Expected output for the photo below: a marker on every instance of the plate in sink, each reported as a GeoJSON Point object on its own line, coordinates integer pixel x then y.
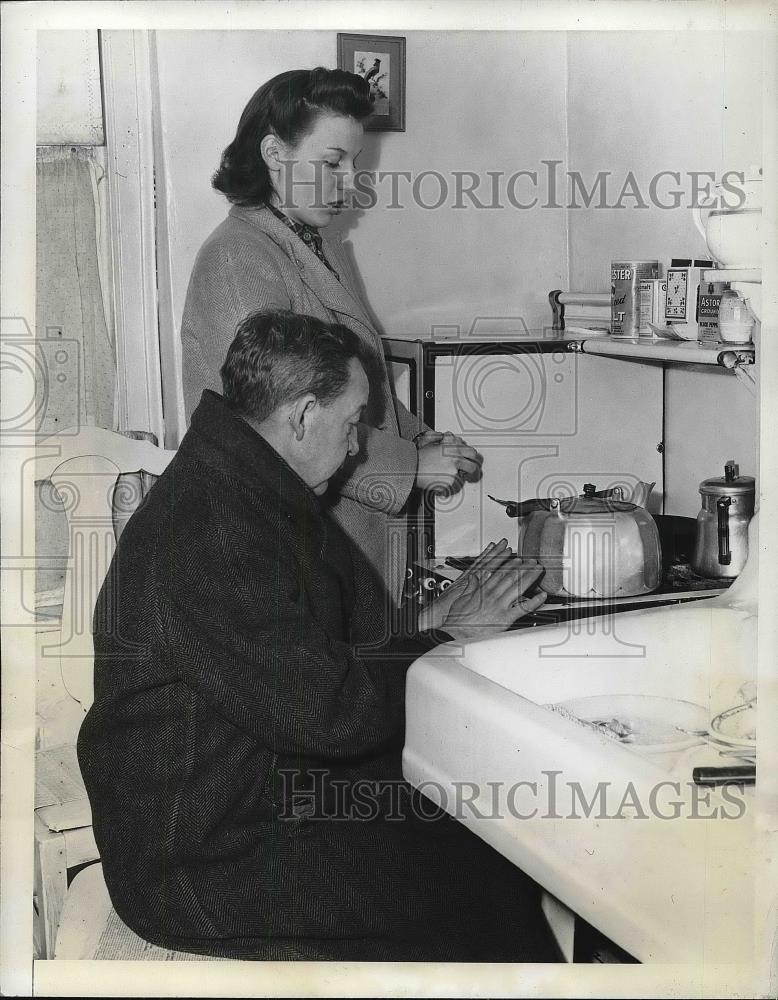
{"type": "Point", "coordinates": [645, 722]}
{"type": "Point", "coordinates": [736, 727]}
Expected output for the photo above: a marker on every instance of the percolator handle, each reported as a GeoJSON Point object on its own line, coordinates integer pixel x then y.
{"type": "Point", "coordinates": [722, 509]}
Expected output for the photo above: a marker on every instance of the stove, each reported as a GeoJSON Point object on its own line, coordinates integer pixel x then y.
{"type": "Point", "coordinates": [680, 584]}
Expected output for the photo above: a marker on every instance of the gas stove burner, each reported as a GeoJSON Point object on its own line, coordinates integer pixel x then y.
{"type": "Point", "coordinates": [682, 577]}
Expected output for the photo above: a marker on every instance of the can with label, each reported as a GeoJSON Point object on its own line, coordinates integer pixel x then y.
{"type": "Point", "coordinates": [626, 276]}
{"type": "Point", "coordinates": [709, 294]}
{"type": "Point", "coordinates": [652, 305]}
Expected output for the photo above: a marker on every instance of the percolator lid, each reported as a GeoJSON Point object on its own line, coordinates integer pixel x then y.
{"type": "Point", "coordinates": [719, 486]}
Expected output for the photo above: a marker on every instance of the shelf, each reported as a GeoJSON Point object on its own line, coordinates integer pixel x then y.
{"type": "Point", "coordinates": [683, 352]}
{"type": "Point", "coordinates": [688, 352]}
{"type": "Point", "coordinates": [749, 274]}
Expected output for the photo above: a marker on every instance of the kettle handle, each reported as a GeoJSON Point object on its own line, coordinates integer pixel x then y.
{"type": "Point", "coordinates": [722, 509]}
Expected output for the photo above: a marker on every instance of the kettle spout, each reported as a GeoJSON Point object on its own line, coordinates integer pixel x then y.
{"type": "Point", "coordinates": [640, 493]}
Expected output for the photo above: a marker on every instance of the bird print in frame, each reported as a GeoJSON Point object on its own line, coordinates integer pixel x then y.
{"type": "Point", "coordinates": [375, 68]}
{"type": "Point", "coordinates": [379, 59]}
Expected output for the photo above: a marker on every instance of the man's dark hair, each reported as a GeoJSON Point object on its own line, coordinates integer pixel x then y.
{"type": "Point", "coordinates": [287, 106]}
{"type": "Point", "coordinates": [277, 357]}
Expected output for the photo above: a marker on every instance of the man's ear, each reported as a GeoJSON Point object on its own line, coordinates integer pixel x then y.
{"type": "Point", "coordinates": [300, 415]}
{"type": "Point", "coordinates": [270, 148]}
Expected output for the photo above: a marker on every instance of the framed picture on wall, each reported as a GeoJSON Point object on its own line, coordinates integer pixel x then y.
{"type": "Point", "coordinates": [380, 59]}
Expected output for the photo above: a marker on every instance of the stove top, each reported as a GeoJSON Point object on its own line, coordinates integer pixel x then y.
{"type": "Point", "coordinates": [680, 582]}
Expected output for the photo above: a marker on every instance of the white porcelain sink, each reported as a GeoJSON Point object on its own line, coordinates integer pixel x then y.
{"type": "Point", "coordinates": [665, 889]}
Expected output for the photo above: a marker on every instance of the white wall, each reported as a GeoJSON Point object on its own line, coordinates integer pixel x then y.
{"type": "Point", "coordinates": [475, 101]}
{"type": "Point", "coordinates": [651, 101]}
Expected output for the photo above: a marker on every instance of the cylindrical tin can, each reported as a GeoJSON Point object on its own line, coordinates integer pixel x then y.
{"type": "Point", "coordinates": [652, 305]}
{"type": "Point", "coordinates": [626, 276]}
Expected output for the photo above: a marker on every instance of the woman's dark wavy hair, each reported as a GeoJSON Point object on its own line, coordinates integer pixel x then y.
{"type": "Point", "coordinates": [288, 106]}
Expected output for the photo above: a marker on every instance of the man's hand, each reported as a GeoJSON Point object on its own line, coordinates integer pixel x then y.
{"type": "Point", "coordinates": [445, 462]}
{"type": "Point", "coordinates": [494, 555]}
{"type": "Point", "coordinates": [490, 598]}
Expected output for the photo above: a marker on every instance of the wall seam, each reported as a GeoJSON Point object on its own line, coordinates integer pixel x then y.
{"type": "Point", "coordinates": [568, 260]}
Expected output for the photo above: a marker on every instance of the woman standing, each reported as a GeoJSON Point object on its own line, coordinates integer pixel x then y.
{"type": "Point", "coordinates": [288, 172]}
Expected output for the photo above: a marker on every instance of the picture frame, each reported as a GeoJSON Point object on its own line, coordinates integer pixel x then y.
{"type": "Point", "coordinates": [381, 60]}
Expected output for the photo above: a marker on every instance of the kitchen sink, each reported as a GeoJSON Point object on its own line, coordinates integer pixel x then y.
{"type": "Point", "coordinates": [618, 833]}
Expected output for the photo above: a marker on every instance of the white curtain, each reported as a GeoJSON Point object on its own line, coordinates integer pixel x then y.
{"type": "Point", "coordinates": [72, 290]}
{"type": "Point", "coordinates": [74, 325]}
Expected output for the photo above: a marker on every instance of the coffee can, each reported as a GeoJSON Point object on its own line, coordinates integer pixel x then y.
{"type": "Point", "coordinates": [626, 276]}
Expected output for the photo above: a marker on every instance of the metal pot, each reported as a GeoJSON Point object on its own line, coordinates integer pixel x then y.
{"type": "Point", "coordinates": [721, 545]}
{"type": "Point", "coordinates": [590, 546]}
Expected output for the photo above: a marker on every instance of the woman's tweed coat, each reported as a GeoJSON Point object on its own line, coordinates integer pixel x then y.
{"type": "Point", "coordinates": [254, 261]}
{"type": "Point", "coordinates": [236, 639]}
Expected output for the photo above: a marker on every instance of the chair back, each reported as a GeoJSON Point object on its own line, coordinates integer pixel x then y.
{"type": "Point", "coordinates": [88, 469]}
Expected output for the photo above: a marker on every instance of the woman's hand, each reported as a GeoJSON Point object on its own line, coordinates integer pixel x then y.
{"type": "Point", "coordinates": [445, 462]}
{"type": "Point", "coordinates": [429, 437]}
{"type": "Point", "coordinates": [489, 596]}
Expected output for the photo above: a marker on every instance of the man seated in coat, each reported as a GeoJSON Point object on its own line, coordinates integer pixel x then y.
{"type": "Point", "coordinates": [243, 752]}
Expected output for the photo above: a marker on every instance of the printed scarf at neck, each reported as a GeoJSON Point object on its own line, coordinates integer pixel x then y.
{"type": "Point", "coordinates": [310, 236]}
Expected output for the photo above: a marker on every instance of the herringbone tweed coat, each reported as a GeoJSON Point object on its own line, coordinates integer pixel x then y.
{"type": "Point", "coordinates": [234, 690]}
{"type": "Point", "coordinates": [253, 261]}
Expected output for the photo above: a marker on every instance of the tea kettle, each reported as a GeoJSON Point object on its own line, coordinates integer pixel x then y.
{"type": "Point", "coordinates": [721, 544]}
{"type": "Point", "coordinates": [591, 546]}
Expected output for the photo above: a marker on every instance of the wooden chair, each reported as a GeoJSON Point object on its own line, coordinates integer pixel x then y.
{"type": "Point", "coordinates": [90, 928]}
{"type": "Point", "coordinates": [101, 478]}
